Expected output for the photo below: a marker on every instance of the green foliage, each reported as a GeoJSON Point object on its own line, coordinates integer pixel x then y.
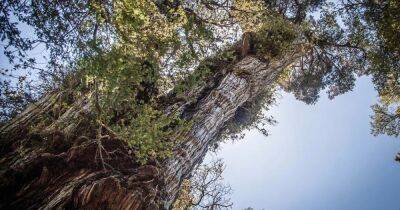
{"type": "Point", "coordinates": [14, 99]}
{"type": "Point", "coordinates": [124, 93]}
{"type": "Point", "coordinates": [386, 120]}
{"type": "Point", "coordinates": [386, 18]}
{"type": "Point", "coordinates": [385, 65]}
{"type": "Point", "coordinates": [119, 77]}
{"type": "Point", "coordinates": [204, 73]}
{"type": "Point", "coordinates": [151, 134]}
{"type": "Point", "coordinates": [120, 44]}
{"type": "Point", "coordinates": [275, 37]}
{"type": "Point", "coordinates": [193, 80]}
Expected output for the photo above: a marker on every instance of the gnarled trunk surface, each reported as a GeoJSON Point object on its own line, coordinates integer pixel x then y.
{"type": "Point", "coordinates": [61, 167]}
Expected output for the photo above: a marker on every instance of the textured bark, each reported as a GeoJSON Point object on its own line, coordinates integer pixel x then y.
{"type": "Point", "coordinates": [65, 166]}
{"type": "Point", "coordinates": [242, 83]}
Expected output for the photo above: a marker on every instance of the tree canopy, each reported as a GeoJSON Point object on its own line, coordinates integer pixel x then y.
{"type": "Point", "coordinates": [132, 53]}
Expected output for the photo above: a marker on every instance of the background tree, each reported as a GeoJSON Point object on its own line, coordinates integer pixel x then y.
{"type": "Point", "coordinates": [205, 189]}
{"type": "Point", "coordinates": [385, 17]}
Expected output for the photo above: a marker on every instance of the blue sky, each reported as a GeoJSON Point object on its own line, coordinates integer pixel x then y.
{"type": "Point", "coordinates": [318, 156]}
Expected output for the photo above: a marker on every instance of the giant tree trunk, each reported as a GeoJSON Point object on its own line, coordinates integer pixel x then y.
{"type": "Point", "coordinates": [61, 166]}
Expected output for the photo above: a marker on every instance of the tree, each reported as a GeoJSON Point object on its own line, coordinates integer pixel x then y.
{"type": "Point", "coordinates": [205, 189]}
{"type": "Point", "coordinates": [386, 71]}
{"type": "Point", "coordinates": [139, 90]}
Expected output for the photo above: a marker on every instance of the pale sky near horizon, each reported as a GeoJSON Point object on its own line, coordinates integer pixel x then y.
{"type": "Point", "coordinates": [318, 157]}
